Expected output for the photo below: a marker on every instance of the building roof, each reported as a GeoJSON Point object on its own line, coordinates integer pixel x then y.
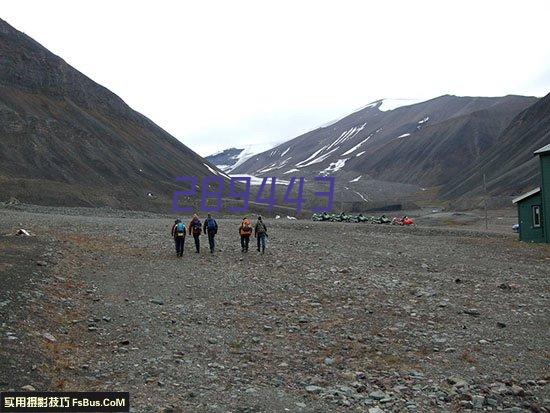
{"type": "Point", "coordinates": [526, 195]}
{"type": "Point", "coordinates": [542, 150]}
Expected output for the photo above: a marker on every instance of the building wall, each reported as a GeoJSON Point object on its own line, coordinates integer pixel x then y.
{"type": "Point", "coordinates": [525, 218]}
{"type": "Point", "coordinates": [545, 190]}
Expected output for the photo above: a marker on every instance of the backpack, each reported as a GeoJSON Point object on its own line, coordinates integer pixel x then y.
{"type": "Point", "coordinates": [261, 229]}
{"type": "Point", "coordinates": [211, 225]}
{"type": "Point", "coordinates": [180, 230]}
{"type": "Point", "coordinates": [196, 225]}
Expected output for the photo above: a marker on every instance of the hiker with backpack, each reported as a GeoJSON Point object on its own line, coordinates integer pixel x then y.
{"type": "Point", "coordinates": [195, 229]}
{"type": "Point", "coordinates": [260, 232]}
{"type": "Point", "coordinates": [245, 231]}
{"type": "Point", "coordinates": [178, 233]}
{"type": "Point", "coordinates": [211, 229]}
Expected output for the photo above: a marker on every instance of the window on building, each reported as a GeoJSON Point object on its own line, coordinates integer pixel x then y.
{"type": "Point", "coordinates": [536, 216]}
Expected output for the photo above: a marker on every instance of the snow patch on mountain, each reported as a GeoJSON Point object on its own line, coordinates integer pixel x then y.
{"type": "Point", "coordinates": [216, 172]}
{"type": "Point", "coordinates": [254, 180]}
{"type": "Point", "coordinates": [211, 169]}
{"type": "Point", "coordinates": [356, 179]}
{"type": "Point", "coordinates": [391, 104]}
{"type": "Point", "coordinates": [248, 152]}
{"type": "Point", "coordinates": [291, 170]}
{"type": "Point", "coordinates": [269, 168]}
{"type": "Point", "coordinates": [300, 164]}
{"type": "Point", "coordinates": [284, 162]}
{"type": "Point", "coordinates": [350, 133]}
{"type": "Point", "coordinates": [362, 196]}
{"type": "Point", "coordinates": [334, 166]}
{"type": "Point", "coordinates": [422, 122]}
{"type": "Point", "coordinates": [319, 159]}
{"type": "Point", "coordinates": [332, 122]}
{"type": "Point", "coordinates": [357, 146]}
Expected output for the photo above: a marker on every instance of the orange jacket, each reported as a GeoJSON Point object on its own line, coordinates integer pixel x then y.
{"type": "Point", "coordinates": [242, 232]}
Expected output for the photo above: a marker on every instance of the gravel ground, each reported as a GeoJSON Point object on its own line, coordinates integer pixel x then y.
{"type": "Point", "coordinates": [334, 317]}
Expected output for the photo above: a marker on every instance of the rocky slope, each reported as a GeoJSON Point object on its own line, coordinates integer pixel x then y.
{"type": "Point", "coordinates": [509, 165]}
{"type": "Point", "coordinates": [427, 144]}
{"type": "Point", "coordinates": [65, 140]}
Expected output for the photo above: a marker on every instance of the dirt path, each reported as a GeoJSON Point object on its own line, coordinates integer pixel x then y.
{"type": "Point", "coordinates": [335, 317]}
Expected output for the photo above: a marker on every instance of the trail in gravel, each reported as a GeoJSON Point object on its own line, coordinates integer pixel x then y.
{"type": "Point", "coordinates": [334, 317]}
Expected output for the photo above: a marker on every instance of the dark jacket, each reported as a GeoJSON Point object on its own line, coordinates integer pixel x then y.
{"type": "Point", "coordinates": [205, 226]}
{"type": "Point", "coordinates": [259, 227]}
{"type": "Point", "coordinates": [191, 225]}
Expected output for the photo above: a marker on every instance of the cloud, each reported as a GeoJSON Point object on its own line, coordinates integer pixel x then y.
{"type": "Point", "coordinates": [216, 74]}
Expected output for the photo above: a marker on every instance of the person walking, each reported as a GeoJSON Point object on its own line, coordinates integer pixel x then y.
{"type": "Point", "coordinates": [211, 229]}
{"type": "Point", "coordinates": [245, 231]}
{"type": "Point", "coordinates": [178, 233]}
{"type": "Point", "coordinates": [195, 229]}
{"type": "Point", "coordinates": [260, 232]}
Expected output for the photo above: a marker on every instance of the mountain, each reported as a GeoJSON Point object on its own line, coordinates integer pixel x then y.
{"type": "Point", "coordinates": [434, 155]}
{"type": "Point", "coordinates": [66, 140]}
{"type": "Point", "coordinates": [230, 159]}
{"type": "Point", "coordinates": [427, 145]}
{"type": "Point", "coordinates": [509, 165]}
{"type": "Point", "coordinates": [226, 159]}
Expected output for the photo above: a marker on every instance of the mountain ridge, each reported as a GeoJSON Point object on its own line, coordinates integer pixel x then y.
{"type": "Point", "coordinates": [66, 140]}
{"type": "Point", "coordinates": [426, 144]}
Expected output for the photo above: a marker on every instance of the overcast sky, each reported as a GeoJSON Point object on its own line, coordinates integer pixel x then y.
{"type": "Point", "coordinates": [217, 74]}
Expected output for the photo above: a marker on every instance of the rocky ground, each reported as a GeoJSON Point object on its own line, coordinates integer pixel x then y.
{"type": "Point", "coordinates": [335, 317]}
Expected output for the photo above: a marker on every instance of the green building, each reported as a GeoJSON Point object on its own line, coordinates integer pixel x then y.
{"type": "Point", "coordinates": [534, 206]}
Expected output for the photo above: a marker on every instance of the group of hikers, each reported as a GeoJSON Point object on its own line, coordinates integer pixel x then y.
{"type": "Point", "coordinates": [210, 228]}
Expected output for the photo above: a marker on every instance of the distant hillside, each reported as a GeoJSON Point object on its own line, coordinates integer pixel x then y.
{"type": "Point", "coordinates": [65, 140]}
{"type": "Point", "coordinates": [509, 165]}
{"type": "Point", "coordinates": [436, 154]}
{"type": "Point", "coordinates": [428, 145]}
{"type": "Point", "coordinates": [226, 159]}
